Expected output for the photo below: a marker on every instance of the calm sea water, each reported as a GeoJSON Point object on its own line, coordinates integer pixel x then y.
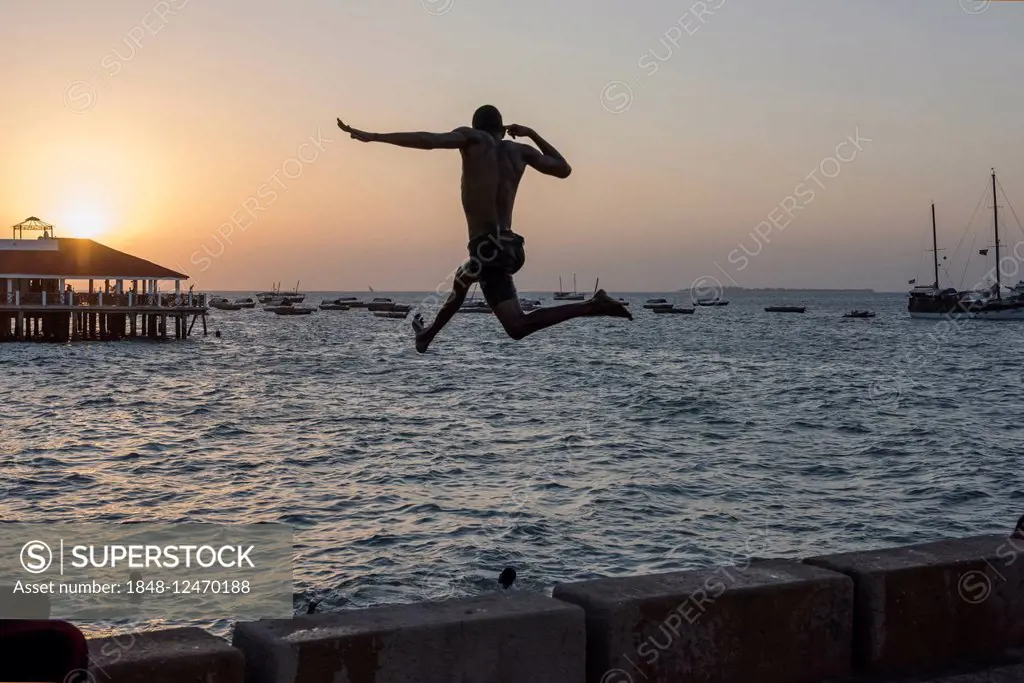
{"type": "Point", "coordinates": [598, 448]}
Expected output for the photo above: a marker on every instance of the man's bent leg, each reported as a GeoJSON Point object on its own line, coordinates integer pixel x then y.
{"type": "Point", "coordinates": [460, 287]}
{"type": "Point", "coordinates": [519, 324]}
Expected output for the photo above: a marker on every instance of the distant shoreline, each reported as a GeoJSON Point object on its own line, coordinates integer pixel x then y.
{"type": "Point", "coordinates": [545, 292]}
{"type": "Point", "coordinates": [789, 289]}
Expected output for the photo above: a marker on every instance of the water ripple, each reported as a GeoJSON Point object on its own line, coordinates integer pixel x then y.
{"type": "Point", "coordinates": [598, 448]}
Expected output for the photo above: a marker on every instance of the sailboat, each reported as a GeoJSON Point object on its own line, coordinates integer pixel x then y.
{"type": "Point", "coordinates": [561, 295]}
{"type": "Point", "coordinates": [474, 305]}
{"type": "Point", "coordinates": [931, 302]}
{"type": "Point", "coordinates": [995, 306]}
{"type": "Point", "coordinates": [276, 295]}
{"type": "Point", "coordinates": [928, 301]}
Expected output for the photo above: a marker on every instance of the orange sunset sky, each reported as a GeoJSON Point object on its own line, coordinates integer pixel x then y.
{"type": "Point", "coordinates": [148, 125]}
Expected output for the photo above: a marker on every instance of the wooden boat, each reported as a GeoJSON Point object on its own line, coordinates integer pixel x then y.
{"type": "Point", "coordinates": [391, 314]}
{"type": "Point", "coordinates": [334, 305]}
{"type": "Point", "coordinates": [567, 296]}
{"type": "Point", "coordinates": [222, 304]}
{"type": "Point", "coordinates": [711, 302]}
{"type": "Point", "coordinates": [785, 309]}
{"type": "Point", "coordinates": [276, 293]}
{"type": "Point", "coordinates": [280, 301]}
{"type": "Point", "coordinates": [673, 309]}
{"type": "Point", "coordinates": [247, 302]}
{"type": "Point", "coordinates": [989, 304]}
{"type": "Point", "coordinates": [294, 310]}
{"type": "Point", "coordinates": [286, 307]}
{"type": "Point", "coordinates": [859, 314]}
{"type": "Point", "coordinates": [381, 303]}
{"type": "Point", "coordinates": [656, 303]}
{"type": "Point", "coordinates": [477, 306]}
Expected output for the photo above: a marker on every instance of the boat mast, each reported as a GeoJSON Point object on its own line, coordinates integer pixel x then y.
{"type": "Point", "coordinates": [935, 248]}
{"type": "Point", "coordinates": [574, 283]}
{"type": "Point", "coordinates": [995, 216]}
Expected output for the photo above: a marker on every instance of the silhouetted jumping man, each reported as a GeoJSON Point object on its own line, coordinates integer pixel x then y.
{"type": "Point", "coordinates": [492, 168]}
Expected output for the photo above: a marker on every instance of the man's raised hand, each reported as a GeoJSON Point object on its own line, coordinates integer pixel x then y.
{"type": "Point", "coordinates": [517, 131]}
{"type": "Point", "coordinates": [360, 135]}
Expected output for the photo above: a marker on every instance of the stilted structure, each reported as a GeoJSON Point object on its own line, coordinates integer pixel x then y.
{"type": "Point", "coordinates": [123, 300]}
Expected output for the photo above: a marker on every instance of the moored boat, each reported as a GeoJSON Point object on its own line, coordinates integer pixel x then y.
{"type": "Point", "coordinates": [280, 301]}
{"type": "Point", "coordinates": [672, 309]}
{"type": "Point", "coordinates": [222, 304]}
{"type": "Point", "coordinates": [656, 303]}
{"type": "Point", "coordinates": [381, 303]}
{"type": "Point", "coordinates": [294, 310]}
{"type": "Point", "coordinates": [859, 314]}
{"type": "Point", "coordinates": [334, 305]}
{"type": "Point", "coordinates": [275, 293]}
{"type": "Point", "coordinates": [247, 302]}
{"type": "Point", "coordinates": [476, 306]}
{"type": "Point", "coordinates": [711, 302]}
{"type": "Point", "coordinates": [785, 309]}
{"type": "Point", "coordinates": [567, 296]}
{"type": "Point", "coordinates": [391, 314]}
{"type": "Point", "coordinates": [989, 304]}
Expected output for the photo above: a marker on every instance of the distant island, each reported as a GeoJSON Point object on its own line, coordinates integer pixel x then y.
{"type": "Point", "coordinates": [788, 289]}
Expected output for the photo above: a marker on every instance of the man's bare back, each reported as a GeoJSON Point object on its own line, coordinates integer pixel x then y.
{"type": "Point", "coordinates": [491, 172]}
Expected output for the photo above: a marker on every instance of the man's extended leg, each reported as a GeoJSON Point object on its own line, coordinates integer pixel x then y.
{"type": "Point", "coordinates": [519, 324]}
{"type": "Point", "coordinates": [460, 287]}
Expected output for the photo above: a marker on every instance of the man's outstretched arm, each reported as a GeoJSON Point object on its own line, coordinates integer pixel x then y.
{"type": "Point", "coordinates": [456, 139]}
{"type": "Point", "coordinates": [547, 160]}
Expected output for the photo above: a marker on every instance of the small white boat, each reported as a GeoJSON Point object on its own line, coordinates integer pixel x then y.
{"type": "Point", "coordinates": [222, 304]}
{"type": "Point", "coordinates": [656, 303]}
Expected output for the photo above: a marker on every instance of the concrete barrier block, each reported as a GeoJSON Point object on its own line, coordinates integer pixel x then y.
{"type": "Point", "coordinates": [497, 638]}
{"type": "Point", "coordinates": [921, 606]}
{"type": "Point", "coordinates": [770, 620]}
{"type": "Point", "coordinates": [181, 655]}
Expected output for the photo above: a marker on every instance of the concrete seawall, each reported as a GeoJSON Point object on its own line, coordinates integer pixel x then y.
{"type": "Point", "coordinates": [950, 612]}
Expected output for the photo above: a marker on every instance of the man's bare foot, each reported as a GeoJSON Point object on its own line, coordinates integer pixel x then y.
{"type": "Point", "coordinates": [605, 305]}
{"type": "Point", "coordinates": [422, 341]}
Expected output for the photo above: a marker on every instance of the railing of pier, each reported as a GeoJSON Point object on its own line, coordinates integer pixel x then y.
{"type": "Point", "coordinates": [105, 300]}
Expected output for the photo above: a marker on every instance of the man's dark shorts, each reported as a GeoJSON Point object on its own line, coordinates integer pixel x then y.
{"type": "Point", "coordinates": [493, 260]}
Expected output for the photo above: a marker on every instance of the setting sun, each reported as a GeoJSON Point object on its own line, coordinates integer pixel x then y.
{"type": "Point", "coordinates": [83, 220]}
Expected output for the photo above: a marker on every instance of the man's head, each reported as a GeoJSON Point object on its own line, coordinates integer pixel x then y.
{"type": "Point", "coordinates": [488, 119]}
